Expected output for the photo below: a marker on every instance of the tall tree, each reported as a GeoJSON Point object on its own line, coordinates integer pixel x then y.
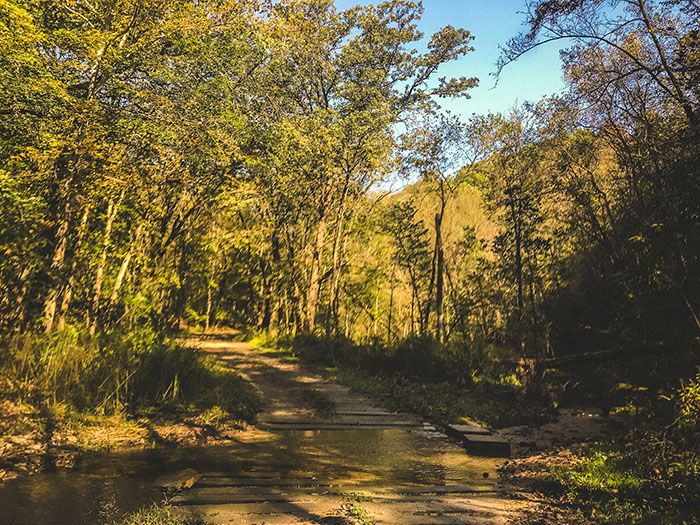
{"type": "Point", "coordinates": [335, 89]}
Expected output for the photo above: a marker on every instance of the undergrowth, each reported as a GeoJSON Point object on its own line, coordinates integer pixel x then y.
{"type": "Point", "coordinates": [72, 393]}
{"type": "Point", "coordinates": [444, 383]}
{"type": "Point", "coordinates": [118, 372]}
{"type": "Point", "coordinates": [650, 476]}
{"type": "Point", "coordinates": [161, 515]}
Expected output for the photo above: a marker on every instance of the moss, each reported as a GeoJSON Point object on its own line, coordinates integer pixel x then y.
{"type": "Point", "coordinates": [358, 496]}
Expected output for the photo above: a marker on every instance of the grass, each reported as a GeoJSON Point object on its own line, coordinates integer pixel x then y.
{"type": "Point", "coordinates": [161, 515]}
{"type": "Point", "coordinates": [650, 476]}
{"type": "Point", "coordinates": [120, 373]}
{"type": "Point", "coordinates": [606, 487]}
{"type": "Point", "coordinates": [445, 394]}
{"type": "Point", "coordinates": [358, 497]}
{"type": "Point", "coordinates": [91, 394]}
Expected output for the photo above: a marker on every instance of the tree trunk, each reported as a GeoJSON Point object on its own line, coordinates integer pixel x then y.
{"type": "Point", "coordinates": [315, 279]}
{"type": "Point", "coordinates": [267, 315]}
{"type": "Point", "coordinates": [99, 276]}
{"type": "Point", "coordinates": [209, 300]}
{"type": "Point", "coordinates": [300, 316]}
{"type": "Point", "coordinates": [57, 263]}
{"type": "Point", "coordinates": [337, 257]}
{"type": "Point", "coordinates": [518, 269]}
{"type": "Point", "coordinates": [440, 278]}
{"type": "Point", "coordinates": [19, 304]}
{"type": "Point", "coordinates": [413, 312]}
{"type": "Point", "coordinates": [425, 325]}
{"type": "Point", "coordinates": [124, 267]}
{"type": "Point", "coordinates": [391, 307]}
{"type": "Point", "coordinates": [376, 312]}
{"type": "Point", "coordinates": [68, 292]}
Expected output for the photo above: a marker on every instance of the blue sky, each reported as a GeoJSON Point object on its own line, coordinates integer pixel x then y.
{"type": "Point", "coordinates": [492, 22]}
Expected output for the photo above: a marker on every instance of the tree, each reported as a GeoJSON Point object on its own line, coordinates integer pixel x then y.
{"type": "Point", "coordinates": [433, 152]}
{"type": "Point", "coordinates": [411, 253]}
{"type": "Point", "coordinates": [653, 41]}
{"type": "Point", "coordinates": [333, 92]}
{"type": "Point", "coordinates": [513, 191]}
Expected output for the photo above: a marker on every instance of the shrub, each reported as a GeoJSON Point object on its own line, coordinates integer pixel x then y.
{"type": "Point", "coordinates": [121, 371]}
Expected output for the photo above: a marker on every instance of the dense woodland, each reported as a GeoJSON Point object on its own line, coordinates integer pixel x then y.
{"type": "Point", "coordinates": [223, 163]}
{"type": "Point", "coordinates": [189, 164]}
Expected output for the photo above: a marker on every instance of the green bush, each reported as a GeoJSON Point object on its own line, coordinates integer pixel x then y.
{"type": "Point", "coordinates": [423, 358]}
{"type": "Point", "coordinates": [118, 372]}
{"type": "Point", "coordinates": [653, 475]}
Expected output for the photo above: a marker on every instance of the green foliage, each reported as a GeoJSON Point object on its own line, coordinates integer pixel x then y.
{"type": "Point", "coordinates": [688, 402]}
{"type": "Point", "coordinates": [612, 487]}
{"type": "Point", "coordinates": [161, 515]}
{"type": "Point", "coordinates": [354, 514]}
{"type": "Point", "coordinates": [358, 497]}
{"type": "Point", "coordinates": [118, 372]}
{"type": "Point", "coordinates": [423, 376]}
{"type": "Point", "coordinates": [602, 472]}
{"type": "Point", "coordinates": [654, 474]}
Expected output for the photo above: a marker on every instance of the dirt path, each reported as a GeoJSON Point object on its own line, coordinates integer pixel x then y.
{"type": "Point", "coordinates": [323, 454]}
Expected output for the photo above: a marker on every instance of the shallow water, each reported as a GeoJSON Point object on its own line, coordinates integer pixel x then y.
{"type": "Point", "coordinates": [103, 489]}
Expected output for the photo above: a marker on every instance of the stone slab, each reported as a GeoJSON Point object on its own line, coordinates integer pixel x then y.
{"type": "Point", "coordinates": [468, 429]}
{"type": "Point", "coordinates": [271, 426]}
{"type": "Point", "coordinates": [489, 446]}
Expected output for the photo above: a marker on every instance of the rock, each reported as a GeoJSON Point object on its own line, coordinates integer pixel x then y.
{"type": "Point", "coordinates": [182, 479]}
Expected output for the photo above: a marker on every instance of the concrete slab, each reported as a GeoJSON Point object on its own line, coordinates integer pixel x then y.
{"type": "Point", "coordinates": [489, 446]}
{"type": "Point", "coordinates": [470, 429]}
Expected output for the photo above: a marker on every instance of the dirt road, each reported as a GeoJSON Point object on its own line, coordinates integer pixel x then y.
{"type": "Point", "coordinates": [323, 454]}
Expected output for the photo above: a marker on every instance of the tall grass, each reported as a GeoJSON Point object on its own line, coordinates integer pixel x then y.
{"type": "Point", "coordinates": [118, 372]}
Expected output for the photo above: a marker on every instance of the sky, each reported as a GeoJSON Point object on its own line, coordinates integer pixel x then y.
{"type": "Point", "coordinates": [492, 23]}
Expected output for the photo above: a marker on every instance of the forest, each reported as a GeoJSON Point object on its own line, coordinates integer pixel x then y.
{"type": "Point", "coordinates": [178, 166]}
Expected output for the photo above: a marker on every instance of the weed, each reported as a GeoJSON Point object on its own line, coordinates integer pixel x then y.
{"type": "Point", "coordinates": [358, 497]}
{"type": "Point", "coordinates": [161, 515]}
{"type": "Point", "coordinates": [121, 372]}
{"type": "Point", "coordinates": [352, 514]}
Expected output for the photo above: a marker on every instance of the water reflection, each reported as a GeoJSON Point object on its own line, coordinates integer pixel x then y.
{"type": "Point", "coordinates": [100, 490]}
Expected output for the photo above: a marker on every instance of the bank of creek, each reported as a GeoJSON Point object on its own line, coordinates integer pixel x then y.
{"type": "Point", "coordinates": [301, 463]}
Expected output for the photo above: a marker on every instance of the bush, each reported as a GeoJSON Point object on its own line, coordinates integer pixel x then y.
{"type": "Point", "coordinates": [653, 474]}
{"type": "Point", "coordinates": [422, 358]}
{"type": "Point", "coordinates": [120, 372]}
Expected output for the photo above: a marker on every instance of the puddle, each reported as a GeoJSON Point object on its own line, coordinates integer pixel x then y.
{"type": "Point", "coordinates": [103, 489]}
